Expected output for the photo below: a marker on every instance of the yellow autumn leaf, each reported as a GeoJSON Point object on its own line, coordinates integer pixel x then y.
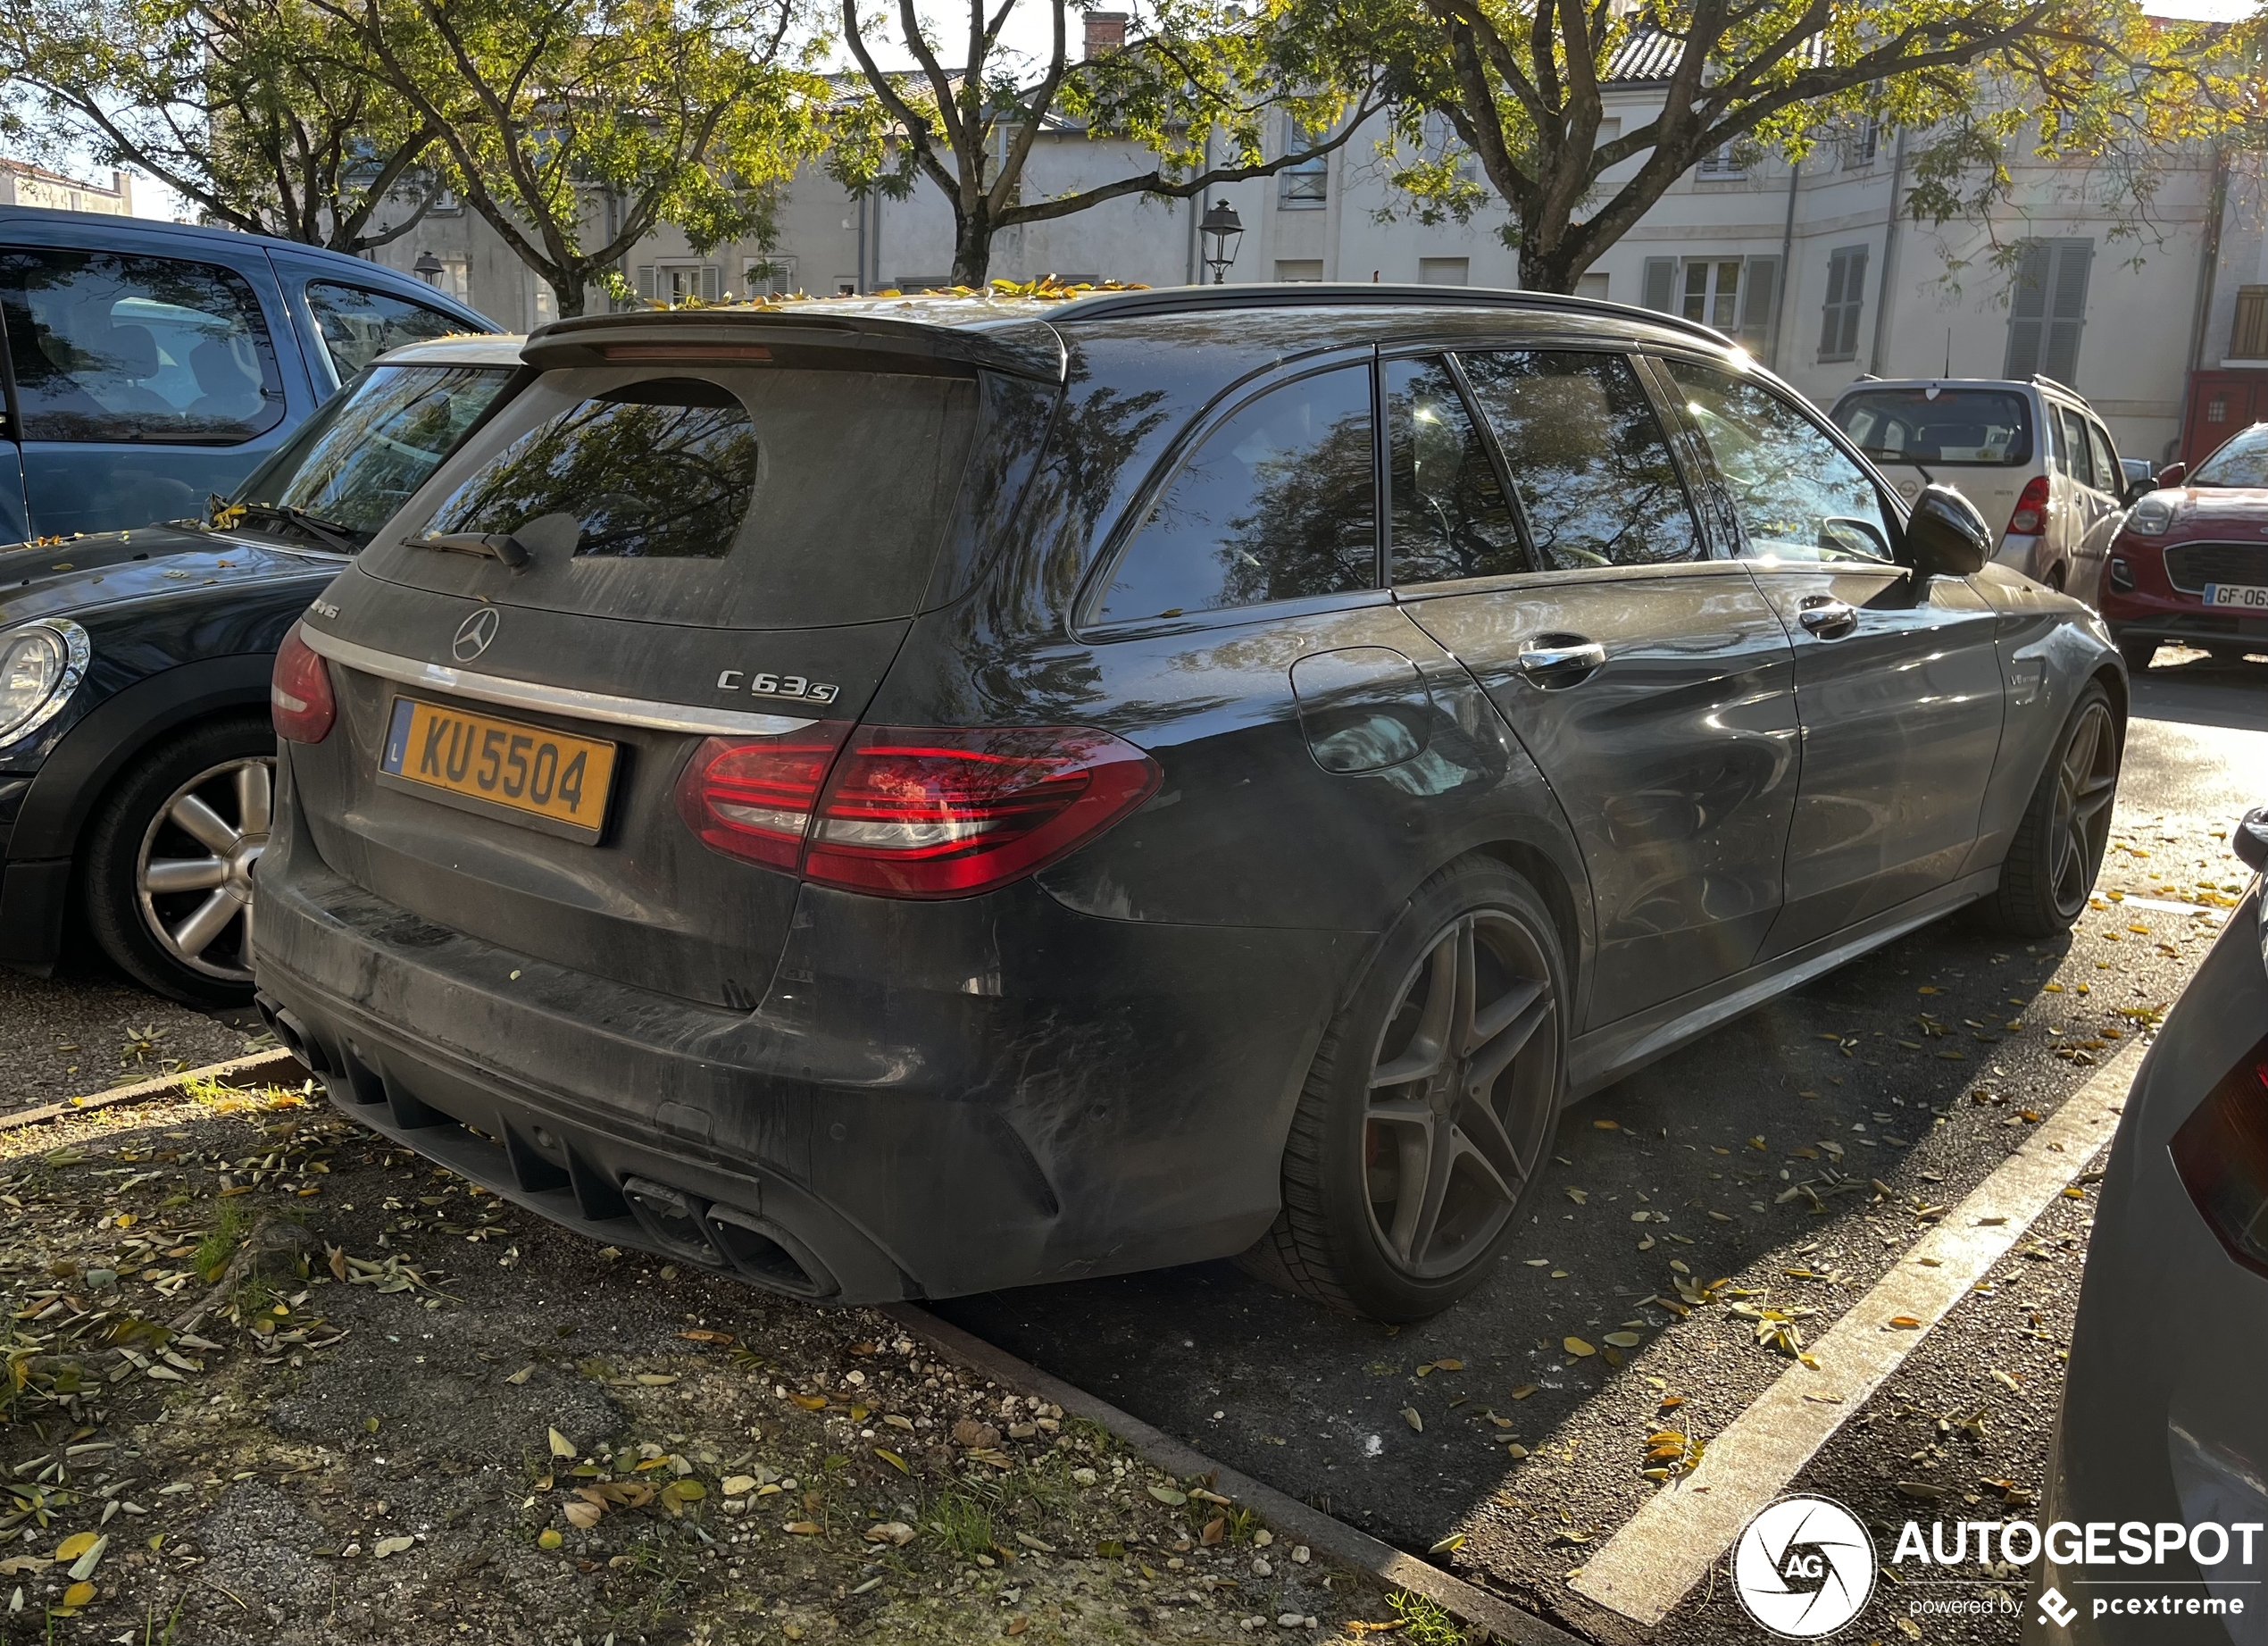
{"type": "Point", "coordinates": [79, 1595]}
{"type": "Point", "coordinates": [76, 1544]}
{"type": "Point", "coordinates": [1576, 1346]}
{"type": "Point", "coordinates": [561, 1446]}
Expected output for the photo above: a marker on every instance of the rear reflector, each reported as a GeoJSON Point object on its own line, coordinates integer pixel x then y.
{"type": "Point", "coordinates": [936, 813]}
{"type": "Point", "coordinates": [2220, 1153]}
{"type": "Point", "coordinates": [299, 697]}
{"type": "Point", "coordinates": [2031, 516]}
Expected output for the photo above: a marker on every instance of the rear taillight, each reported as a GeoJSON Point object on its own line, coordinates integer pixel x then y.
{"type": "Point", "coordinates": [2220, 1153]}
{"type": "Point", "coordinates": [299, 698]}
{"type": "Point", "coordinates": [938, 812]}
{"type": "Point", "coordinates": [753, 797]}
{"type": "Point", "coordinates": [2030, 518]}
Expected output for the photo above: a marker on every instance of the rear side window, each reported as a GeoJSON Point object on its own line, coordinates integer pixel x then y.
{"type": "Point", "coordinates": [1448, 513]}
{"type": "Point", "coordinates": [660, 471]}
{"type": "Point", "coordinates": [1276, 503]}
{"type": "Point", "coordinates": [728, 496]}
{"type": "Point", "coordinates": [1586, 457]}
{"type": "Point", "coordinates": [1964, 428]}
{"type": "Point", "coordinates": [2107, 473]}
{"type": "Point", "coordinates": [147, 350]}
{"type": "Point", "coordinates": [1796, 493]}
{"type": "Point", "coordinates": [358, 325]}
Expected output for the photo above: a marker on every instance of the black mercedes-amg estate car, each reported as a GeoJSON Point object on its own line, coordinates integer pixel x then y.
{"type": "Point", "coordinates": [898, 797]}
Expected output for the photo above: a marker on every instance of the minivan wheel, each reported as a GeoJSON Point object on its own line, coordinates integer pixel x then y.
{"type": "Point", "coordinates": [1430, 1105]}
{"type": "Point", "coordinates": [2051, 864]}
{"type": "Point", "coordinates": [170, 861]}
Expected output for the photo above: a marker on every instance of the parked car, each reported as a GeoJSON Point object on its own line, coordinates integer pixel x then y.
{"type": "Point", "coordinates": [2140, 474]}
{"type": "Point", "coordinates": [135, 742]}
{"type": "Point", "coordinates": [916, 796]}
{"type": "Point", "coordinates": [2189, 565]}
{"type": "Point", "coordinates": [2181, 1233]}
{"type": "Point", "coordinates": [2031, 453]}
{"type": "Point", "coordinates": [155, 363]}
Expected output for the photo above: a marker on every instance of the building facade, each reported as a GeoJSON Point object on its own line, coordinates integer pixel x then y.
{"type": "Point", "coordinates": [22, 183]}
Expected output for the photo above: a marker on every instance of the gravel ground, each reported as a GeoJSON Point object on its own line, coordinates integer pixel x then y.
{"type": "Point", "coordinates": [74, 1036]}
{"type": "Point", "coordinates": [404, 1411]}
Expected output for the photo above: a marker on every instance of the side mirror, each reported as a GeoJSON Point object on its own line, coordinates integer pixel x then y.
{"type": "Point", "coordinates": [2137, 491]}
{"type": "Point", "coordinates": [2249, 838]}
{"type": "Point", "coordinates": [2172, 474]}
{"type": "Point", "coordinates": [1945, 536]}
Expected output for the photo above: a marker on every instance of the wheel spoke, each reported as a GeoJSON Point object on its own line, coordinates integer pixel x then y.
{"type": "Point", "coordinates": [1429, 1046]}
{"type": "Point", "coordinates": [204, 825]}
{"type": "Point", "coordinates": [194, 935]}
{"type": "Point", "coordinates": [1494, 1057]}
{"type": "Point", "coordinates": [256, 789]}
{"type": "Point", "coordinates": [1401, 1112]}
{"type": "Point", "coordinates": [1483, 1128]}
{"type": "Point", "coordinates": [1460, 996]}
{"type": "Point", "coordinates": [168, 874]}
{"type": "Point", "coordinates": [1425, 1220]}
{"type": "Point", "coordinates": [1415, 1152]}
{"type": "Point", "coordinates": [1464, 1152]}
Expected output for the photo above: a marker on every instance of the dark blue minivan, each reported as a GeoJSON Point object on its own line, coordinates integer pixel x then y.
{"type": "Point", "coordinates": [148, 366]}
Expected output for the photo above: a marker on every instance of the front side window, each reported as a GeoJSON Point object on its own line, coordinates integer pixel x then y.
{"type": "Point", "coordinates": [1587, 456]}
{"type": "Point", "coordinates": [656, 471]}
{"type": "Point", "coordinates": [1277, 504]}
{"type": "Point", "coordinates": [2070, 453]}
{"type": "Point", "coordinates": [1449, 517]}
{"type": "Point", "coordinates": [2107, 473]}
{"type": "Point", "coordinates": [144, 349]}
{"type": "Point", "coordinates": [1796, 493]}
{"type": "Point", "coordinates": [349, 467]}
{"type": "Point", "coordinates": [358, 325]}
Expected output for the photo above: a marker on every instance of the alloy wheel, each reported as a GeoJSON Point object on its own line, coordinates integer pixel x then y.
{"type": "Point", "coordinates": [1461, 1094]}
{"type": "Point", "coordinates": [2086, 784]}
{"type": "Point", "coordinates": [194, 871]}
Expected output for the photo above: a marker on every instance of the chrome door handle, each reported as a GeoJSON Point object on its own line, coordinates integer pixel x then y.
{"type": "Point", "coordinates": [1828, 618]}
{"type": "Point", "coordinates": [1560, 659]}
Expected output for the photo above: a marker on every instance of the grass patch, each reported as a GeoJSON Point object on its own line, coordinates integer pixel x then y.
{"type": "Point", "coordinates": [221, 1241]}
{"type": "Point", "coordinates": [1424, 1624]}
{"type": "Point", "coordinates": [964, 1520]}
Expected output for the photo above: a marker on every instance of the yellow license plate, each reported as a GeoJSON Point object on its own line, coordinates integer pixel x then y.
{"type": "Point", "coordinates": [528, 774]}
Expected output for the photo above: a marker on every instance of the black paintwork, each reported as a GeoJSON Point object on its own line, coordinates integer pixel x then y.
{"type": "Point", "coordinates": [1093, 1069]}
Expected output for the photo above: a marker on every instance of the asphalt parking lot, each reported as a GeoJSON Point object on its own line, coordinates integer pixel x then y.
{"type": "Point", "coordinates": [1892, 1088]}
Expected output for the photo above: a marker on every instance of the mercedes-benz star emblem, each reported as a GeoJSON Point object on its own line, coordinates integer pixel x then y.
{"type": "Point", "coordinates": [474, 633]}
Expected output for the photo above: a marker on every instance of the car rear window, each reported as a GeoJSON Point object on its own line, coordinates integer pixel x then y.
{"type": "Point", "coordinates": [1959, 428]}
{"type": "Point", "coordinates": [736, 497]}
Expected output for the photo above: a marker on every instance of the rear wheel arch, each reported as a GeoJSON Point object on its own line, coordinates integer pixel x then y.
{"type": "Point", "coordinates": [1535, 867]}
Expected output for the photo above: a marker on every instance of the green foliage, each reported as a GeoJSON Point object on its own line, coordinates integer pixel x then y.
{"type": "Point", "coordinates": [1424, 1624]}
{"type": "Point", "coordinates": [221, 1241]}
{"type": "Point", "coordinates": [962, 1520]}
{"type": "Point", "coordinates": [1207, 92]}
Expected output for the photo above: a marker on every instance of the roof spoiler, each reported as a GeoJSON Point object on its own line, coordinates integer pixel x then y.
{"type": "Point", "coordinates": [808, 337]}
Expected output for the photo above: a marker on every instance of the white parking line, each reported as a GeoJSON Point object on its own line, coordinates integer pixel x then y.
{"type": "Point", "coordinates": [1668, 1546]}
{"type": "Point", "coordinates": [2221, 914]}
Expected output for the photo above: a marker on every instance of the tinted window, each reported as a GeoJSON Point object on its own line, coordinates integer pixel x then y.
{"type": "Point", "coordinates": [656, 471]}
{"type": "Point", "coordinates": [1956, 427]}
{"type": "Point", "coordinates": [1449, 516]}
{"type": "Point", "coordinates": [1796, 495]}
{"type": "Point", "coordinates": [1586, 457]}
{"type": "Point", "coordinates": [359, 325]}
{"type": "Point", "coordinates": [1276, 503]}
{"type": "Point", "coordinates": [108, 347]}
{"type": "Point", "coordinates": [357, 460]}
{"type": "Point", "coordinates": [2071, 448]}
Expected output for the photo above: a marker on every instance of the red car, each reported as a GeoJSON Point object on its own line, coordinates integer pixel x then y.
{"type": "Point", "coordinates": [2189, 565]}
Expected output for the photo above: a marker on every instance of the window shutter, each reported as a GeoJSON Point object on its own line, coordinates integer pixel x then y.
{"type": "Point", "coordinates": [1759, 287]}
{"type": "Point", "coordinates": [1831, 312]}
{"type": "Point", "coordinates": [1853, 300]}
{"type": "Point", "coordinates": [1845, 302]}
{"type": "Point", "coordinates": [645, 281]}
{"type": "Point", "coordinates": [709, 273]}
{"type": "Point", "coordinates": [2067, 309]}
{"type": "Point", "coordinates": [1661, 283]}
{"type": "Point", "coordinates": [2028, 311]}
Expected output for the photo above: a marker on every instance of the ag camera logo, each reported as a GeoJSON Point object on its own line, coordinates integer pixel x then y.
{"type": "Point", "coordinates": [1804, 1566]}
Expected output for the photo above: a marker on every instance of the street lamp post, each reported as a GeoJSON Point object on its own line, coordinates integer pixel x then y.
{"type": "Point", "coordinates": [427, 268]}
{"type": "Point", "coordinates": [1221, 229]}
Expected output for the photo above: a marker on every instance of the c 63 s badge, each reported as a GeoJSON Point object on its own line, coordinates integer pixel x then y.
{"type": "Point", "coordinates": [760, 683]}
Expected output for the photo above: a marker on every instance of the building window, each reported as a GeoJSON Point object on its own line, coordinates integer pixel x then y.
{"type": "Point", "coordinates": [1845, 300]}
{"type": "Point", "coordinates": [2248, 338]}
{"type": "Point", "coordinates": [1592, 286]}
{"type": "Point", "coordinates": [674, 284]}
{"type": "Point", "coordinates": [1445, 270]}
{"type": "Point", "coordinates": [1713, 293]}
{"type": "Point", "coordinates": [1307, 184]}
{"type": "Point", "coordinates": [1723, 163]}
{"type": "Point", "coordinates": [2216, 410]}
{"type": "Point", "coordinates": [1861, 142]}
{"type": "Point", "coordinates": [1299, 271]}
{"type": "Point", "coordinates": [2047, 309]}
{"type": "Point", "coordinates": [776, 272]}
{"type": "Point", "coordinates": [1442, 143]}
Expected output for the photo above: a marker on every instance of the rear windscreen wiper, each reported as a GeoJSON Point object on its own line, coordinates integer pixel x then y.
{"type": "Point", "coordinates": [497, 544]}
{"type": "Point", "coordinates": [331, 534]}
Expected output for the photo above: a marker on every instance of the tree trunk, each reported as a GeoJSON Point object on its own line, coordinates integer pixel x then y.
{"type": "Point", "coordinates": [1545, 271]}
{"type": "Point", "coordinates": [567, 292]}
{"type": "Point", "coordinates": [972, 249]}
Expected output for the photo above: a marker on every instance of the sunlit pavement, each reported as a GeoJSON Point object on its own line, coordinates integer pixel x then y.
{"type": "Point", "coordinates": [1927, 1064]}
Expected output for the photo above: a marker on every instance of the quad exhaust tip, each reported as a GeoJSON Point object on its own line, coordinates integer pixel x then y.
{"type": "Point", "coordinates": [719, 1236]}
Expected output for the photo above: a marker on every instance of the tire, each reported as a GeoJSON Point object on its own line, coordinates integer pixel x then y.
{"type": "Point", "coordinates": [195, 808]}
{"type": "Point", "coordinates": [2051, 864]}
{"type": "Point", "coordinates": [1373, 1222]}
{"type": "Point", "coordinates": [2137, 650]}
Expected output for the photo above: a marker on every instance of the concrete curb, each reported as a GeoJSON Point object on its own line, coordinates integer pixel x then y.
{"type": "Point", "coordinates": [260, 1069]}
{"type": "Point", "coordinates": [1284, 1514]}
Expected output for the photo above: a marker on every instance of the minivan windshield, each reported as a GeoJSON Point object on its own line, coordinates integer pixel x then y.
{"type": "Point", "coordinates": [1939, 425]}
{"type": "Point", "coordinates": [2241, 461]}
{"type": "Point", "coordinates": [360, 457]}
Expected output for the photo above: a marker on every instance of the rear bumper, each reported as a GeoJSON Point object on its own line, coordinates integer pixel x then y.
{"type": "Point", "coordinates": [933, 1098]}
{"type": "Point", "coordinates": [2146, 1434]}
